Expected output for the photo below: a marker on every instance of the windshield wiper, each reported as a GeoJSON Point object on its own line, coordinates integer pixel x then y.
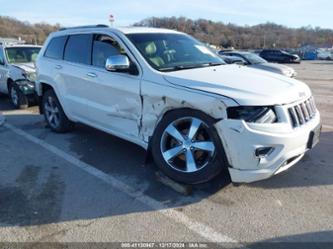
{"type": "Point", "coordinates": [185, 67]}
{"type": "Point", "coordinates": [178, 68]}
{"type": "Point", "coordinates": [213, 64]}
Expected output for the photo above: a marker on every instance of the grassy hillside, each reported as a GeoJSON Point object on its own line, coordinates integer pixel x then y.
{"type": "Point", "coordinates": [217, 33]}
{"type": "Point", "coordinates": [259, 36]}
{"type": "Point", "coordinates": [31, 33]}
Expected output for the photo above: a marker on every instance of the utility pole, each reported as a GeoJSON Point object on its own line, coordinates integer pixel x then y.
{"type": "Point", "coordinates": [111, 20]}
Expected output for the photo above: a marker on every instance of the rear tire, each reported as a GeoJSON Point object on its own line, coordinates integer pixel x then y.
{"type": "Point", "coordinates": [17, 97]}
{"type": "Point", "coordinates": [54, 115]}
{"type": "Point", "coordinates": [194, 153]}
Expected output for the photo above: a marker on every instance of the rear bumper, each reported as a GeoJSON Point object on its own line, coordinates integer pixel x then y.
{"type": "Point", "coordinates": [241, 142]}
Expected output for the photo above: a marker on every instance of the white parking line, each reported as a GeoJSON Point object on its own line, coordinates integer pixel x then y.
{"type": "Point", "coordinates": [179, 217]}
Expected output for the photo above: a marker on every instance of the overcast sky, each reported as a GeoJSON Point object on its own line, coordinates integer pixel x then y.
{"type": "Point", "coordinates": [293, 13]}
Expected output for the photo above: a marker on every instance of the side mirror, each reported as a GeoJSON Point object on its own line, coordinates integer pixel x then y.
{"type": "Point", "coordinates": [117, 62]}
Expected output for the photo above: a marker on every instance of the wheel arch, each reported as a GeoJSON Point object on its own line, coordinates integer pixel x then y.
{"type": "Point", "coordinates": [179, 113]}
{"type": "Point", "coordinates": [9, 82]}
{"type": "Point", "coordinates": [43, 87]}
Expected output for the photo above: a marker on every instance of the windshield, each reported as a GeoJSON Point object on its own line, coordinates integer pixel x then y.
{"type": "Point", "coordinates": [22, 54]}
{"type": "Point", "coordinates": [254, 59]}
{"type": "Point", "coordinates": [170, 52]}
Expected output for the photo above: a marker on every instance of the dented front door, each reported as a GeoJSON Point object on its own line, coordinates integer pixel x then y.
{"type": "Point", "coordinates": [114, 101]}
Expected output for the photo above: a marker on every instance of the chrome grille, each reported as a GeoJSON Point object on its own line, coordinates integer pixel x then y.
{"type": "Point", "coordinates": [302, 113]}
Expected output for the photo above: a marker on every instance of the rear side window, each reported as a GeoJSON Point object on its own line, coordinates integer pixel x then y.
{"type": "Point", "coordinates": [55, 49]}
{"type": "Point", "coordinates": [78, 49]}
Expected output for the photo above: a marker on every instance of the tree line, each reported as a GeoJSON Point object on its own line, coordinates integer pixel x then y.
{"type": "Point", "coordinates": [31, 33]}
{"type": "Point", "coordinates": [268, 35]}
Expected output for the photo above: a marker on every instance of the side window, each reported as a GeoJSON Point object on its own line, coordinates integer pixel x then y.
{"type": "Point", "coordinates": [103, 47]}
{"type": "Point", "coordinates": [55, 49]}
{"type": "Point", "coordinates": [238, 57]}
{"type": "Point", "coordinates": [78, 49]}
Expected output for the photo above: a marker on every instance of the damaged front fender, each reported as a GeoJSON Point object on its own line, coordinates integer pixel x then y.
{"type": "Point", "coordinates": [158, 99]}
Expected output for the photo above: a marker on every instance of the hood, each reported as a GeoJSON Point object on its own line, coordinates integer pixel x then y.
{"type": "Point", "coordinates": [28, 67]}
{"type": "Point", "coordinates": [274, 67]}
{"type": "Point", "coordinates": [296, 56]}
{"type": "Point", "coordinates": [245, 85]}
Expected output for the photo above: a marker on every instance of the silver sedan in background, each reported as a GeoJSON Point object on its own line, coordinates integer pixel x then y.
{"type": "Point", "coordinates": [255, 61]}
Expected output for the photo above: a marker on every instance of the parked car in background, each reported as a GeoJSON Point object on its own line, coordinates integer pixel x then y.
{"type": "Point", "coordinates": [324, 54]}
{"type": "Point", "coordinates": [232, 59]}
{"type": "Point", "coordinates": [18, 72]}
{"type": "Point", "coordinates": [279, 56]}
{"type": "Point", "coordinates": [170, 94]}
{"type": "Point", "coordinates": [254, 61]}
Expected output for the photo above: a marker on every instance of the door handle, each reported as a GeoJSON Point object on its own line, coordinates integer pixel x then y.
{"type": "Point", "coordinates": [92, 75]}
{"type": "Point", "coordinates": [58, 67]}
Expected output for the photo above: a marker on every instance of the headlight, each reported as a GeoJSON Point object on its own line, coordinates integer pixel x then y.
{"type": "Point", "coordinates": [30, 76]}
{"type": "Point", "coordinates": [25, 83]}
{"type": "Point", "coordinates": [253, 114]}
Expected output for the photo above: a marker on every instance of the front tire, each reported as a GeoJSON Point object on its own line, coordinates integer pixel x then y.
{"type": "Point", "coordinates": [17, 97]}
{"type": "Point", "coordinates": [54, 115]}
{"type": "Point", "coordinates": [187, 148]}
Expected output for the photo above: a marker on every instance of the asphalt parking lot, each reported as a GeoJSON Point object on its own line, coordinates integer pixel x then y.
{"type": "Point", "coordinates": [91, 186]}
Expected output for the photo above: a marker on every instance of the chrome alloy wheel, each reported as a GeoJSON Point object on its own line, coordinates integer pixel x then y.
{"type": "Point", "coordinates": [52, 112]}
{"type": "Point", "coordinates": [186, 145]}
{"type": "Point", "coordinates": [14, 96]}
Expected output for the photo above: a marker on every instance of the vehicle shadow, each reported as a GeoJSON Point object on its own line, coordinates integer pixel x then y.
{"type": "Point", "coordinates": [24, 203]}
{"type": "Point", "coordinates": [5, 104]}
{"type": "Point", "coordinates": [36, 194]}
{"type": "Point", "coordinates": [314, 240]}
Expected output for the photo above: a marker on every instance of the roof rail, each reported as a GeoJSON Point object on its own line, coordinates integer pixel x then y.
{"type": "Point", "coordinates": [86, 27]}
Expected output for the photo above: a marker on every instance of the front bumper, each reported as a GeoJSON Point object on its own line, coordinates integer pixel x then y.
{"type": "Point", "coordinates": [241, 140]}
{"type": "Point", "coordinates": [27, 87]}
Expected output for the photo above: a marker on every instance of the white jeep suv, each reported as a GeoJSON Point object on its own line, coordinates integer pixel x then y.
{"type": "Point", "coordinates": [17, 71]}
{"type": "Point", "coordinates": [170, 94]}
